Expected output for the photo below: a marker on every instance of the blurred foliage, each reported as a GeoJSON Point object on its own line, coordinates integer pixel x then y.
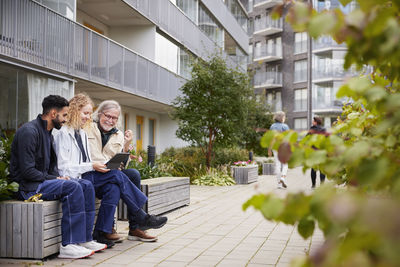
{"type": "Point", "coordinates": [6, 186]}
{"type": "Point", "coordinates": [216, 107]}
{"type": "Point", "coordinates": [215, 177]}
{"type": "Point", "coordinates": [359, 213]}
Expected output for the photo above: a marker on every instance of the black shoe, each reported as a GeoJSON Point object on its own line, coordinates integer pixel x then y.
{"type": "Point", "coordinates": [99, 237]}
{"type": "Point", "coordinates": [153, 222]}
{"type": "Point", "coordinates": [313, 186]}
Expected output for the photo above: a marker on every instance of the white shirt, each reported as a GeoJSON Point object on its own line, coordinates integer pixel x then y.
{"type": "Point", "coordinates": [69, 156]}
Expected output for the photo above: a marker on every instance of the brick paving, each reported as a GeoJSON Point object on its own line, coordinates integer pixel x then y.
{"type": "Point", "coordinates": [212, 231]}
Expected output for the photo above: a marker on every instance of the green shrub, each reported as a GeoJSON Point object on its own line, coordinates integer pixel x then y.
{"type": "Point", "coordinates": [227, 156]}
{"type": "Point", "coordinates": [215, 177]}
{"type": "Point", "coordinates": [183, 162]}
{"type": "Point", "coordinates": [147, 171]}
{"type": "Point", "coordinates": [6, 186]}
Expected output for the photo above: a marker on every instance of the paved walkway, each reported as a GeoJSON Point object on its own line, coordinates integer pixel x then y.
{"type": "Point", "coordinates": [212, 231]}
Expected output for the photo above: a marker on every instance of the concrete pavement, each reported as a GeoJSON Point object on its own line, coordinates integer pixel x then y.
{"type": "Point", "coordinates": [212, 231]}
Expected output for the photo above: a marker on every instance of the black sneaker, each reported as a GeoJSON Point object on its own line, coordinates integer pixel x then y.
{"type": "Point", "coordinates": [100, 238]}
{"type": "Point", "coordinates": [153, 222]}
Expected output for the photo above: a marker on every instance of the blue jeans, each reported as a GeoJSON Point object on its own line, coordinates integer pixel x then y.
{"type": "Point", "coordinates": [110, 187]}
{"type": "Point", "coordinates": [77, 197]}
{"type": "Point", "coordinates": [134, 176]}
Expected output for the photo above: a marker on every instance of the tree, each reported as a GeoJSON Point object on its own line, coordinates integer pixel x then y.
{"type": "Point", "coordinates": [214, 106]}
{"type": "Point", "coordinates": [361, 218]}
{"type": "Point", "coordinates": [259, 120]}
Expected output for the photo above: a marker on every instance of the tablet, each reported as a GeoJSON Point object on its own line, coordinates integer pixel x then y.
{"type": "Point", "coordinates": [116, 161]}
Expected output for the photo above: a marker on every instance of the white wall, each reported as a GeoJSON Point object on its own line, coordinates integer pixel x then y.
{"type": "Point", "coordinates": [168, 138]}
{"type": "Point", "coordinates": [141, 39]}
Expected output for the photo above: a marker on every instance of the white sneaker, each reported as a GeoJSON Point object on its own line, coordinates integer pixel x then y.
{"type": "Point", "coordinates": [280, 186]}
{"type": "Point", "coordinates": [282, 181]}
{"type": "Point", "coordinates": [93, 245]}
{"type": "Point", "coordinates": [73, 251]}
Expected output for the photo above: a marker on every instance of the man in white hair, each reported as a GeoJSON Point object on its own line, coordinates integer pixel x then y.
{"type": "Point", "coordinates": [106, 140]}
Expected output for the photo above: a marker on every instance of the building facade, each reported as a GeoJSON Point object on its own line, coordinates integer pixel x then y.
{"type": "Point", "coordinates": [278, 57]}
{"type": "Point", "coordinates": [136, 52]}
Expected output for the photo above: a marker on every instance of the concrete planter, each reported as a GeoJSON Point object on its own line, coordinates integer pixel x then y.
{"type": "Point", "coordinates": [268, 168]}
{"type": "Point", "coordinates": [245, 174]}
{"type": "Point", "coordinates": [164, 194]}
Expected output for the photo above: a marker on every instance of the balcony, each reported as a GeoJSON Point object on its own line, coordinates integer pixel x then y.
{"type": "Point", "coordinates": [325, 44]}
{"type": "Point", "coordinates": [36, 35]}
{"type": "Point", "coordinates": [267, 80]}
{"type": "Point", "coordinates": [264, 4]}
{"type": "Point", "coordinates": [327, 107]}
{"type": "Point", "coordinates": [328, 73]}
{"type": "Point", "coordinates": [267, 53]}
{"type": "Point", "coordinates": [267, 26]}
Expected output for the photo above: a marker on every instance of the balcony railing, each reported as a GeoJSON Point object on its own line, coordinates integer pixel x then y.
{"type": "Point", "coordinates": [334, 71]}
{"type": "Point", "coordinates": [268, 52]}
{"type": "Point", "coordinates": [268, 79]}
{"type": "Point", "coordinates": [33, 33]}
{"type": "Point", "coordinates": [327, 105]}
{"type": "Point", "coordinates": [265, 3]}
{"type": "Point", "coordinates": [266, 25]}
{"type": "Point", "coordinates": [325, 42]}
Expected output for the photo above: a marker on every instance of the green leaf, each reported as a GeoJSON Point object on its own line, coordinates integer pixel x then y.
{"type": "Point", "coordinates": [256, 201]}
{"type": "Point", "coordinates": [315, 158]}
{"type": "Point", "coordinates": [306, 227]}
{"type": "Point", "coordinates": [267, 138]}
{"type": "Point", "coordinates": [345, 2]}
{"type": "Point", "coordinates": [322, 23]}
{"type": "Point", "coordinates": [272, 207]}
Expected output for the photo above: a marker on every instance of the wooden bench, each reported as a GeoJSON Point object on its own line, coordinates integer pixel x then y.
{"type": "Point", "coordinates": [164, 194]}
{"type": "Point", "coordinates": [30, 229]}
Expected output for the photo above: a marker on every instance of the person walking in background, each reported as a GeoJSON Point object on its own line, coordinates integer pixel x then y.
{"type": "Point", "coordinates": [106, 140]}
{"type": "Point", "coordinates": [34, 166]}
{"type": "Point", "coordinates": [280, 168]}
{"type": "Point", "coordinates": [316, 128]}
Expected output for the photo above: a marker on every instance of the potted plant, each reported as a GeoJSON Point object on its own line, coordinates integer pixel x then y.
{"type": "Point", "coordinates": [244, 172]}
{"type": "Point", "coordinates": [268, 166]}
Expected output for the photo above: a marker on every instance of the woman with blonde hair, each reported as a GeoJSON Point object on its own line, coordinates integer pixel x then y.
{"type": "Point", "coordinates": [73, 155]}
{"type": "Point", "coordinates": [280, 168]}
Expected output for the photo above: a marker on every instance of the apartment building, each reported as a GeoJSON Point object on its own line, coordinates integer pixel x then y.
{"type": "Point", "coordinates": [279, 61]}
{"type": "Point", "coordinates": [134, 51]}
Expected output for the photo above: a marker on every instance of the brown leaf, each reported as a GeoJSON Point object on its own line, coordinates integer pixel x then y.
{"type": "Point", "coordinates": [284, 152]}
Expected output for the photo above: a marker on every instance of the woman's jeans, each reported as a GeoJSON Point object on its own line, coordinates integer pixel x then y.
{"type": "Point", "coordinates": [280, 168]}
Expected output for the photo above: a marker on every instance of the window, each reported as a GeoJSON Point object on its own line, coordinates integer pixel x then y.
{"type": "Point", "coordinates": [300, 99]}
{"type": "Point", "coordinates": [274, 101]}
{"type": "Point", "coordinates": [300, 42]}
{"type": "Point", "coordinates": [189, 7]}
{"type": "Point", "coordinates": [152, 133]}
{"type": "Point", "coordinates": [300, 124]}
{"type": "Point", "coordinates": [184, 67]}
{"type": "Point", "coordinates": [300, 71]}
{"type": "Point", "coordinates": [237, 12]}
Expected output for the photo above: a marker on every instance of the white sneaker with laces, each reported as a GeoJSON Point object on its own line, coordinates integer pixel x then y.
{"type": "Point", "coordinates": [73, 251]}
{"type": "Point", "coordinates": [93, 245]}
{"type": "Point", "coordinates": [280, 185]}
{"type": "Point", "coordinates": [282, 182]}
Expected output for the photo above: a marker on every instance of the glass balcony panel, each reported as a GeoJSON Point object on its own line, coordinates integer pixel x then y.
{"type": "Point", "coordinates": [271, 50]}
{"type": "Point", "coordinates": [325, 42]}
{"type": "Point", "coordinates": [265, 23]}
{"type": "Point", "coordinates": [268, 79]}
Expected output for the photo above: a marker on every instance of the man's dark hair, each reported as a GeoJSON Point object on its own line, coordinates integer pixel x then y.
{"type": "Point", "coordinates": [54, 101]}
{"type": "Point", "coordinates": [318, 120]}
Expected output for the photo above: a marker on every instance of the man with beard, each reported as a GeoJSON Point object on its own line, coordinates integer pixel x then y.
{"type": "Point", "coordinates": [33, 165]}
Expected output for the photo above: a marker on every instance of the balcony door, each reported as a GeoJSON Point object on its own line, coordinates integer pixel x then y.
{"type": "Point", "coordinates": [139, 133]}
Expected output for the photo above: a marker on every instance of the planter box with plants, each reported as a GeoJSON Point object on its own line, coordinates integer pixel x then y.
{"type": "Point", "coordinates": [268, 167]}
{"type": "Point", "coordinates": [244, 172]}
{"type": "Point", "coordinates": [164, 194]}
